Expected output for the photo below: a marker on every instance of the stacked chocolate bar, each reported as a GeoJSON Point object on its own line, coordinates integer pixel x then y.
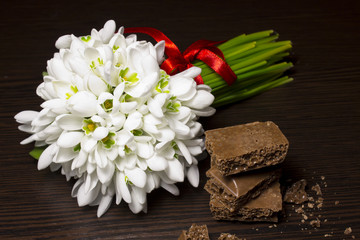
{"type": "Point", "coordinates": [244, 174]}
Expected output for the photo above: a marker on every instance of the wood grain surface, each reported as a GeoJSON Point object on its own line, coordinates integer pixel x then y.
{"type": "Point", "coordinates": [319, 113]}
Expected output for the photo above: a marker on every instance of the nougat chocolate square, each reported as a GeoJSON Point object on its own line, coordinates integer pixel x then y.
{"type": "Point", "coordinates": [236, 190]}
{"type": "Point", "coordinates": [195, 232]}
{"type": "Point", "coordinates": [264, 208]}
{"type": "Point", "coordinates": [246, 147]}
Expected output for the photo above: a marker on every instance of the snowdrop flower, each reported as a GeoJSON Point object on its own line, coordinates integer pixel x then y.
{"type": "Point", "coordinates": [115, 121]}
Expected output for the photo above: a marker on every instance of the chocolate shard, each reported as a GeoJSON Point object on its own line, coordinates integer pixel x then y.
{"type": "Point", "coordinates": [264, 208]}
{"type": "Point", "coordinates": [246, 147]}
{"type": "Point", "coordinates": [228, 236]}
{"type": "Point", "coordinates": [236, 190]}
{"type": "Point", "coordinates": [296, 193]}
{"type": "Point", "coordinates": [195, 232]}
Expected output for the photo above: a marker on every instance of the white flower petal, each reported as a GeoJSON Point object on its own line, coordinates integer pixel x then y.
{"type": "Point", "coordinates": [87, 198]}
{"type": "Point", "coordinates": [160, 49]}
{"type": "Point", "coordinates": [133, 121]}
{"type": "Point", "coordinates": [63, 42]}
{"type": "Point", "coordinates": [69, 122]}
{"type": "Point", "coordinates": [135, 206]}
{"type": "Point", "coordinates": [119, 90]}
{"type": "Point", "coordinates": [189, 73]}
{"type": "Point", "coordinates": [47, 156]}
{"type": "Point", "coordinates": [165, 134]}
{"type": "Point", "coordinates": [105, 174]}
{"type": "Point", "coordinates": [179, 127]}
{"type": "Point", "coordinates": [112, 154]}
{"type": "Point", "coordinates": [25, 128]}
{"type": "Point", "coordinates": [79, 160]}
{"type": "Point", "coordinates": [104, 205]}
{"type": "Point", "coordinates": [130, 161]}
{"type": "Point", "coordinates": [193, 175]}
{"type": "Point", "coordinates": [157, 163]}
{"type": "Point", "coordinates": [104, 96]}
{"type": "Point", "coordinates": [96, 84]}
{"type": "Point", "coordinates": [25, 117]}
{"type": "Point", "coordinates": [123, 137]}
{"type": "Point", "coordinates": [206, 112]}
{"type": "Point", "coordinates": [118, 120]}
{"type": "Point", "coordinates": [139, 194]}
{"type": "Point", "coordinates": [150, 65]}
{"type": "Point", "coordinates": [57, 69]}
{"type": "Point", "coordinates": [100, 157]}
{"type": "Point", "coordinates": [195, 150]}
{"type": "Point", "coordinates": [83, 104]}
{"type": "Point", "coordinates": [171, 188]}
{"type": "Point", "coordinates": [64, 155]}
{"type": "Point", "coordinates": [91, 181]}
{"type": "Point", "coordinates": [108, 31]}
{"type": "Point", "coordinates": [122, 187]}
{"type": "Point", "coordinates": [76, 187]}
{"type": "Point", "coordinates": [128, 107]}
{"type": "Point", "coordinates": [88, 143]}
{"type": "Point", "coordinates": [184, 150]}
{"type": "Point", "coordinates": [183, 88]}
{"type": "Point", "coordinates": [144, 86]}
{"type": "Point", "coordinates": [144, 150]}
{"type": "Point", "coordinates": [201, 100]}
{"type": "Point", "coordinates": [175, 170]}
{"type": "Point", "coordinates": [136, 176]}
{"type": "Point", "coordinates": [100, 133]}
{"type": "Point", "coordinates": [69, 139]}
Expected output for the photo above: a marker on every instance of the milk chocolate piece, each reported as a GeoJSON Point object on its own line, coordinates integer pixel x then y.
{"type": "Point", "coordinates": [263, 208]}
{"type": "Point", "coordinates": [296, 193]}
{"type": "Point", "coordinates": [195, 232]}
{"type": "Point", "coordinates": [246, 147]}
{"type": "Point", "coordinates": [228, 236]}
{"type": "Point", "coordinates": [236, 190]}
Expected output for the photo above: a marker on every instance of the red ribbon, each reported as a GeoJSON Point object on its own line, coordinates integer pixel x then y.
{"type": "Point", "coordinates": [203, 50]}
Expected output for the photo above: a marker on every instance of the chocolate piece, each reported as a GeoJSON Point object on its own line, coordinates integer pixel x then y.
{"type": "Point", "coordinates": [263, 208]}
{"type": "Point", "coordinates": [195, 232]}
{"type": "Point", "coordinates": [228, 236]}
{"type": "Point", "coordinates": [296, 193]}
{"type": "Point", "coordinates": [237, 189]}
{"type": "Point", "coordinates": [246, 147]}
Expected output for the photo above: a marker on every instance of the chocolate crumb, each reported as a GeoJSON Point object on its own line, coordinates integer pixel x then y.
{"type": "Point", "coordinates": [325, 220]}
{"type": "Point", "coordinates": [298, 210]}
{"type": "Point", "coordinates": [328, 235]}
{"type": "Point", "coordinates": [316, 188]}
{"type": "Point", "coordinates": [302, 220]}
{"type": "Point", "coordinates": [348, 231]}
{"type": "Point", "coordinates": [311, 199]}
{"type": "Point", "coordinates": [322, 178]}
{"type": "Point", "coordinates": [296, 193]}
{"type": "Point", "coordinates": [310, 205]}
{"type": "Point", "coordinates": [305, 217]}
{"type": "Point", "coordinates": [315, 223]}
{"type": "Point", "coordinates": [353, 237]}
{"type": "Point", "coordinates": [337, 202]}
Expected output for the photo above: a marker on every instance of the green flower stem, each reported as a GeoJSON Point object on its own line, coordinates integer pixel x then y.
{"type": "Point", "coordinates": [246, 93]}
{"type": "Point", "coordinates": [257, 60]}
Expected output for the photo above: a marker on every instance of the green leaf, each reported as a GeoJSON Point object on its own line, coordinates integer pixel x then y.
{"type": "Point", "coordinates": [37, 151]}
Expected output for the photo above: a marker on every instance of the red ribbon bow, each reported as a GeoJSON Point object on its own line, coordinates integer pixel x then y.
{"type": "Point", "coordinates": [203, 50]}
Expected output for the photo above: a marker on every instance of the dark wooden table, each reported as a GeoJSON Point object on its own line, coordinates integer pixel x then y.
{"type": "Point", "coordinates": [319, 113]}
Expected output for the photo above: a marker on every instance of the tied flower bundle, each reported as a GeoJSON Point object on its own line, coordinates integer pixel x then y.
{"type": "Point", "coordinates": [113, 119]}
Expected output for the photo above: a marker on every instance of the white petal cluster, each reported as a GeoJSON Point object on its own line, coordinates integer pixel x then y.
{"type": "Point", "coordinates": [116, 122]}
